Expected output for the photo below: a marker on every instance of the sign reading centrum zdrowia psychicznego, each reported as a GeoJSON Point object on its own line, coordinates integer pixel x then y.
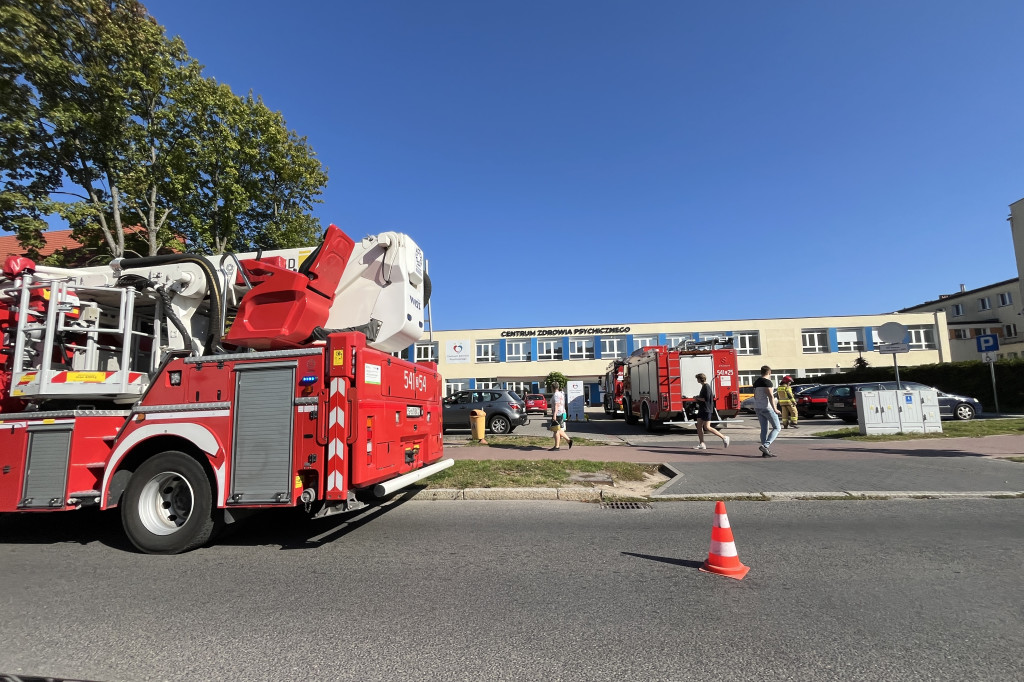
{"type": "Point", "coordinates": [566, 331]}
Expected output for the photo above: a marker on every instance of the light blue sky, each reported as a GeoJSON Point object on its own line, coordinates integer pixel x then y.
{"type": "Point", "coordinates": [583, 162]}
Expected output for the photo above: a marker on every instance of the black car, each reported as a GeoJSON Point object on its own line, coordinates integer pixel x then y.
{"type": "Point", "coordinates": [504, 409]}
{"type": "Point", "coordinates": [814, 402]}
{"type": "Point", "coordinates": [842, 401]}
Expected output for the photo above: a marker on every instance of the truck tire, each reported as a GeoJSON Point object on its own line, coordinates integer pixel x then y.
{"type": "Point", "coordinates": [627, 411]}
{"type": "Point", "coordinates": [167, 507]}
{"type": "Point", "coordinates": [646, 412]}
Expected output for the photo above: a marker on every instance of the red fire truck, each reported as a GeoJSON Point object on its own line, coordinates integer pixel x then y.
{"type": "Point", "coordinates": [659, 384]}
{"type": "Point", "coordinates": [124, 386]}
{"type": "Point", "coordinates": [613, 387]}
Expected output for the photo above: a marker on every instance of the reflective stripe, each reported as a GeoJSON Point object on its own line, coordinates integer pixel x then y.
{"type": "Point", "coordinates": [723, 548]}
{"type": "Point", "coordinates": [186, 415]}
{"type": "Point", "coordinates": [721, 521]}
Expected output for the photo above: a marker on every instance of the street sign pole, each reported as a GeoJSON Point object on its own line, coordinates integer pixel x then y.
{"type": "Point", "coordinates": [992, 366]}
{"type": "Point", "coordinates": [896, 366]}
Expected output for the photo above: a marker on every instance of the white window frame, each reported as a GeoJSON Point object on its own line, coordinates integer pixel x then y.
{"type": "Point", "coordinates": [847, 344]}
{"type": "Point", "coordinates": [426, 352]}
{"type": "Point", "coordinates": [517, 351]}
{"type": "Point", "coordinates": [748, 378]}
{"type": "Point", "coordinates": [452, 386]}
{"type": "Point", "coordinates": [747, 342]}
{"type": "Point", "coordinates": [520, 388]}
{"type": "Point", "coordinates": [487, 351]}
{"type": "Point", "coordinates": [957, 309]}
{"type": "Point", "coordinates": [961, 334]}
{"type": "Point", "coordinates": [1005, 299]}
{"type": "Point", "coordinates": [549, 349]}
{"type": "Point", "coordinates": [613, 347]}
{"type": "Point", "coordinates": [984, 303]}
{"type": "Point", "coordinates": [644, 341]}
{"type": "Point", "coordinates": [581, 348]}
{"type": "Point", "coordinates": [922, 338]}
{"type": "Point", "coordinates": [488, 384]}
{"type": "Point", "coordinates": [673, 340]}
{"type": "Point", "coordinates": [1010, 330]}
{"type": "Point", "coordinates": [816, 372]}
{"type": "Point", "coordinates": [814, 340]}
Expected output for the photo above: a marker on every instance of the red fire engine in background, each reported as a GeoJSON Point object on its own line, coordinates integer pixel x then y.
{"type": "Point", "coordinates": [659, 384]}
{"type": "Point", "coordinates": [120, 388]}
{"type": "Point", "coordinates": [613, 387]}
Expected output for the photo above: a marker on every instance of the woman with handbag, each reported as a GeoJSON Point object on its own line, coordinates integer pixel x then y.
{"type": "Point", "coordinates": [705, 408]}
{"type": "Point", "coordinates": [558, 417]}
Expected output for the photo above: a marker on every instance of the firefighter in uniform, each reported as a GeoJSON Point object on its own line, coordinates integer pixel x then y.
{"type": "Point", "coordinates": [787, 403]}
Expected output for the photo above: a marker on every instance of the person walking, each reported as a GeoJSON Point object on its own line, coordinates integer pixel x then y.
{"type": "Point", "coordinates": [787, 403]}
{"type": "Point", "coordinates": [767, 411]}
{"type": "Point", "coordinates": [705, 409]}
{"type": "Point", "coordinates": [558, 417]}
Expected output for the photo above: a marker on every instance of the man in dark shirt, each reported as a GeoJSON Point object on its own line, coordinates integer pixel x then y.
{"type": "Point", "coordinates": [767, 410]}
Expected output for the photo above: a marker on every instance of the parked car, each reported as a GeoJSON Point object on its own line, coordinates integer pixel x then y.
{"type": "Point", "coordinates": [504, 409]}
{"type": "Point", "coordinates": [747, 404]}
{"type": "Point", "coordinates": [535, 402]}
{"type": "Point", "coordinates": [842, 401]}
{"type": "Point", "coordinates": [814, 402]}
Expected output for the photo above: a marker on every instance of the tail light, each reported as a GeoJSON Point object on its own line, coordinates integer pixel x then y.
{"type": "Point", "coordinates": [514, 406]}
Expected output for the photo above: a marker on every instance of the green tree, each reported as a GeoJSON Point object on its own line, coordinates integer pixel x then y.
{"type": "Point", "coordinates": [554, 377]}
{"type": "Point", "coordinates": [109, 124]}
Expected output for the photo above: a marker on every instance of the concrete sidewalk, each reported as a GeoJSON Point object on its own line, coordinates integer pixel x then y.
{"type": "Point", "coordinates": [807, 466]}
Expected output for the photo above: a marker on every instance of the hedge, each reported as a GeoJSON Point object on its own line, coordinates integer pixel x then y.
{"type": "Point", "coordinates": [973, 379]}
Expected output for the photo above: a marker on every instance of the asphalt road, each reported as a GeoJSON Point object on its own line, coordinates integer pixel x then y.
{"type": "Point", "coordinates": [870, 590]}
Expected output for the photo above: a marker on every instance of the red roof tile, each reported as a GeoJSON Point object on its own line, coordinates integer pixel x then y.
{"type": "Point", "coordinates": [55, 240]}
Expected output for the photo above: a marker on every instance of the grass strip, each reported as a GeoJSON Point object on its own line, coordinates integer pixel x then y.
{"type": "Point", "coordinates": [520, 473]}
{"type": "Point", "coordinates": [975, 428]}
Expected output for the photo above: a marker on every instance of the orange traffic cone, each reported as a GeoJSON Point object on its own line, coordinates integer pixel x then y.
{"type": "Point", "coordinates": [722, 557]}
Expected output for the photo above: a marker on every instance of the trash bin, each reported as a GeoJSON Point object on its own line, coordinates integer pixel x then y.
{"type": "Point", "coordinates": [477, 423]}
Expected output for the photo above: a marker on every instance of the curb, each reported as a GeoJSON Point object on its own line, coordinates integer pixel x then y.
{"type": "Point", "coordinates": [583, 494]}
{"type": "Point", "coordinates": [568, 494]}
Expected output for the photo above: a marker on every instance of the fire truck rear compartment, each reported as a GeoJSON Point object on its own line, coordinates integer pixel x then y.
{"type": "Point", "coordinates": [263, 439]}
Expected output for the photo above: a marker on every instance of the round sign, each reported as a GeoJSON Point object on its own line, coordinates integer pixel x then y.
{"type": "Point", "coordinates": [892, 332]}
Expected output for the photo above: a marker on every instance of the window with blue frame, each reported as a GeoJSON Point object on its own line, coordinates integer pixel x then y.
{"type": "Point", "coordinates": [644, 341]}
{"type": "Point", "coordinates": [517, 351]}
{"type": "Point", "coordinates": [581, 348]}
{"type": "Point", "coordinates": [850, 340]}
{"type": "Point", "coordinates": [613, 347]}
{"type": "Point", "coordinates": [550, 349]}
{"type": "Point", "coordinates": [487, 351]}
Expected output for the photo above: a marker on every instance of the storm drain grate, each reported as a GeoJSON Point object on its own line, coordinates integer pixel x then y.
{"type": "Point", "coordinates": [625, 505]}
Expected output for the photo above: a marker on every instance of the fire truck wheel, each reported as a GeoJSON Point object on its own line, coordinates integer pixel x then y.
{"type": "Point", "coordinates": [648, 424]}
{"type": "Point", "coordinates": [168, 505]}
{"type": "Point", "coordinates": [499, 424]}
{"type": "Point", "coordinates": [627, 411]}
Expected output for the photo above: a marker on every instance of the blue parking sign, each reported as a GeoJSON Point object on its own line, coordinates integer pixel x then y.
{"type": "Point", "coordinates": [987, 342]}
